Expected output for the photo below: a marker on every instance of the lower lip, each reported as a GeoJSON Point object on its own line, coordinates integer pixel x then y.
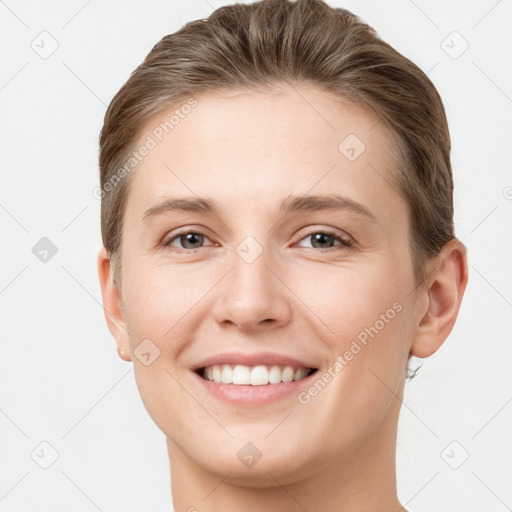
{"type": "Point", "coordinates": [254, 395]}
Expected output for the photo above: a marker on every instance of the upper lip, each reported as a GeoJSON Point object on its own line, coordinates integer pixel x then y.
{"type": "Point", "coordinates": [256, 359]}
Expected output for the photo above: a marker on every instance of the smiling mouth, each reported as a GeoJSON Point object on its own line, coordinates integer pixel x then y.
{"type": "Point", "coordinates": [259, 375]}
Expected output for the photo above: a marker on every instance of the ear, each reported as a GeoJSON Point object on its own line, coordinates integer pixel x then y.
{"type": "Point", "coordinates": [112, 306]}
{"type": "Point", "coordinates": [442, 296]}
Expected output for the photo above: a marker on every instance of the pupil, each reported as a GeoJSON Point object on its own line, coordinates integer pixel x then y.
{"type": "Point", "coordinates": [194, 238]}
{"type": "Point", "coordinates": [320, 237]}
{"type": "Point", "coordinates": [189, 238]}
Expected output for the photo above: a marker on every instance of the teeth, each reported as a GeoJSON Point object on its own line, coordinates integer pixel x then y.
{"type": "Point", "coordinates": [287, 375]}
{"type": "Point", "coordinates": [300, 373]}
{"type": "Point", "coordinates": [227, 373]}
{"type": "Point", "coordinates": [259, 376]}
{"type": "Point", "coordinates": [274, 375]}
{"type": "Point", "coordinates": [241, 375]}
{"type": "Point", "coordinates": [253, 376]}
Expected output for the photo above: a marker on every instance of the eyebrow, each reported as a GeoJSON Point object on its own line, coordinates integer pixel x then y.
{"type": "Point", "coordinates": [310, 203]}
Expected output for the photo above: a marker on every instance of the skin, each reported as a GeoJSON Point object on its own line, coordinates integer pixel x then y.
{"type": "Point", "coordinates": [248, 151]}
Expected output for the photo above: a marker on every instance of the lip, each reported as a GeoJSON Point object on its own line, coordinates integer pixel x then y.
{"type": "Point", "coordinates": [246, 395]}
{"type": "Point", "coordinates": [256, 359]}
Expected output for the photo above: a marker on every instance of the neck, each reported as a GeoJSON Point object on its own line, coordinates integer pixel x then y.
{"type": "Point", "coordinates": [363, 479]}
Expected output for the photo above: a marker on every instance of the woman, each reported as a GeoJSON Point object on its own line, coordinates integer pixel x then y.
{"type": "Point", "coordinates": [277, 221]}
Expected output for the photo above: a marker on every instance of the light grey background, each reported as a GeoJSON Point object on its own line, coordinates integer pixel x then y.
{"type": "Point", "coordinates": [61, 379]}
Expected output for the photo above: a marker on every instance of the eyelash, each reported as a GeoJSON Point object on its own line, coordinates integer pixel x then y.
{"type": "Point", "coordinates": [345, 242]}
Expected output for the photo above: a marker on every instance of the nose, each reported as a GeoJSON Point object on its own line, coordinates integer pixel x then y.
{"type": "Point", "coordinates": [252, 295]}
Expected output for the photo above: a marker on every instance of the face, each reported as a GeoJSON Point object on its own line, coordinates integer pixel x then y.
{"type": "Point", "coordinates": [303, 262]}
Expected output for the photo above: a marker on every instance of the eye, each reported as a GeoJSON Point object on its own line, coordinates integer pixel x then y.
{"type": "Point", "coordinates": [325, 239]}
{"type": "Point", "coordinates": [189, 240]}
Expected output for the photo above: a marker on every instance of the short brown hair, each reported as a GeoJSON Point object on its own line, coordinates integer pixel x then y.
{"type": "Point", "coordinates": [257, 45]}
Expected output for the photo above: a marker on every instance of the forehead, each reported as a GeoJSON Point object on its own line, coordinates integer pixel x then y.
{"type": "Point", "coordinates": [260, 147]}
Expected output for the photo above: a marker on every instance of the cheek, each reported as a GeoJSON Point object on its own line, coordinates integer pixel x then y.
{"type": "Point", "coordinates": [366, 321]}
{"type": "Point", "coordinates": [359, 314]}
{"type": "Point", "coordinates": [164, 306]}
{"type": "Point", "coordinates": [156, 299]}
{"type": "Point", "coordinates": [351, 302]}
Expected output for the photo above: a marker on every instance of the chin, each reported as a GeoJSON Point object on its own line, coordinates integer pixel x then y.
{"type": "Point", "coordinates": [255, 464]}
